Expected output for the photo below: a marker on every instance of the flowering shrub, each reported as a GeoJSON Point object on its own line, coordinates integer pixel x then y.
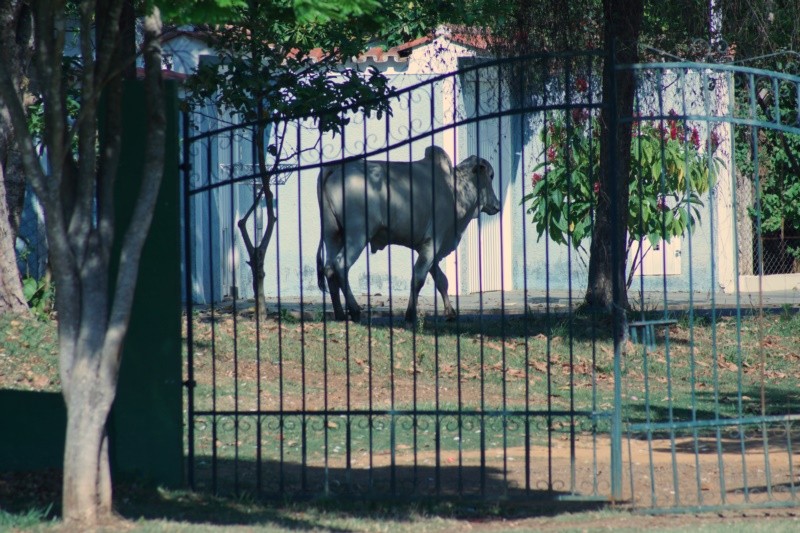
{"type": "Point", "coordinates": [670, 170]}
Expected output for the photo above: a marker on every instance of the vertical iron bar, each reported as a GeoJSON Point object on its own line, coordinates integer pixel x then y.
{"type": "Point", "coordinates": [501, 197]}
{"type": "Point", "coordinates": [414, 329]}
{"type": "Point", "coordinates": [570, 320]}
{"type": "Point", "coordinates": [618, 318]}
{"type": "Point", "coordinates": [326, 441]}
{"type": "Point", "coordinates": [638, 125]}
{"type": "Point", "coordinates": [692, 353]}
{"type": "Point", "coordinates": [459, 392]}
{"type": "Point", "coordinates": [231, 224]}
{"type": "Point", "coordinates": [548, 316]}
{"type": "Point", "coordinates": [259, 420]}
{"type": "Point", "coordinates": [370, 480]}
{"type": "Point", "coordinates": [790, 453]}
{"type": "Point", "coordinates": [392, 436]}
{"type": "Point", "coordinates": [348, 315]}
{"type": "Point", "coordinates": [188, 267]}
{"type": "Point", "coordinates": [526, 312]}
{"type": "Point", "coordinates": [437, 420]}
{"type": "Point", "coordinates": [714, 352]}
{"type": "Point", "coordinates": [303, 391]}
{"type": "Point", "coordinates": [594, 318]}
{"type": "Point", "coordinates": [392, 466]}
{"type": "Point", "coordinates": [214, 430]}
{"type": "Point", "coordinates": [281, 376]}
{"type": "Point", "coordinates": [761, 273]}
{"type": "Point", "coordinates": [735, 208]}
{"type": "Point", "coordinates": [480, 298]}
{"type": "Point", "coordinates": [652, 340]}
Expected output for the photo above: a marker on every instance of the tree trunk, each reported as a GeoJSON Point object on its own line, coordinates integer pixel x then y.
{"type": "Point", "coordinates": [257, 266]}
{"type": "Point", "coordinates": [11, 298]}
{"type": "Point", "coordinates": [78, 198]}
{"type": "Point", "coordinates": [14, 180]}
{"type": "Point", "coordinates": [256, 254]}
{"type": "Point", "coordinates": [623, 20]}
{"type": "Point", "coordinates": [87, 491]}
{"type": "Point", "coordinates": [16, 49]}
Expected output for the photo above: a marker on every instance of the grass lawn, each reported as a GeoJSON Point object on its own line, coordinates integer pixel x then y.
{"type": "Point", "coordinates": [328, 391]}
{"type": "Point", "coordinates": [330, 374]}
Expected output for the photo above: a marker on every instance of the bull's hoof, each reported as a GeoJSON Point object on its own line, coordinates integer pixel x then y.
{"type": "Point", "coordinates": [450, 314]}
{"type": "Point", "coordinates": [355, 315]}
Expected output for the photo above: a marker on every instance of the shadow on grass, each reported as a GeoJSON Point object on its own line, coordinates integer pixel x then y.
{"type": "Point", "coordinates": [354, 494]}
{"type": "Point", "coordinates": [583, 324]}
{"type": "Point", "coordinates": [713, 433]}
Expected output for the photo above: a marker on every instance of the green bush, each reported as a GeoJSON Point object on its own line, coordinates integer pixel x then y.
{"type": "Point", "coordinates": [670, 171]}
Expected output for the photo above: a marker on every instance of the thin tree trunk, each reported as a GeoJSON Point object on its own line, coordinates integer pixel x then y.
{"type": "Point", "coordinates": [16, 49]}
{"type": "Point", "coordinates": [11, 297]}
{"type": "Point", "coordinates": [256, 254]}
{"type": "Point", "coordinates": [14, 179]}
{"type": "Point", "coordinates": [623, 19]}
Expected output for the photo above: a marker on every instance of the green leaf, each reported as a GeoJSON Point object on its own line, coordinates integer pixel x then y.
{"type": "Point", "coordinates": [325, 11]}
{"type": "Point", "coordinates": [29, 288]}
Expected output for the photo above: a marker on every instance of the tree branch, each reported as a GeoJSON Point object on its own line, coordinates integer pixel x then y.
{"type": "Point", "coordinates": [248, 243]}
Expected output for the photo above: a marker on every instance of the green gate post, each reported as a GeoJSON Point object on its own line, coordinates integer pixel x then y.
{"type": "Point", "coordinates": [617, 313]}
{"type": "Point", "coordinates": [145, 427]}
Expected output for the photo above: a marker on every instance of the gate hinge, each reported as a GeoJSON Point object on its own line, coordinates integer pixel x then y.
{"type": "Point", "coordinates": [190, 383]}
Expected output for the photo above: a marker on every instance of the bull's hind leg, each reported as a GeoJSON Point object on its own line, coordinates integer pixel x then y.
{"type": "Point", "coordinates": [441, 285]}
{"type": "Point", "coordinates": [342, 263]}
{"type": "Point", "coordinates": [334, 288]}
{"type": "Point", "coordinates": [334, 283]}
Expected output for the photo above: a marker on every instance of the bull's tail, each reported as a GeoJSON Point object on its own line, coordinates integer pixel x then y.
{"type": "Point", "coordinates": [320, 266]}
{"type": "Point", "coordinates": [323, 175]}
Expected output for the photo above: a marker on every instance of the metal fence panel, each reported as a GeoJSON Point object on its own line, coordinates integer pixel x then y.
{"type": "Point", "coordinates": [516, 397]}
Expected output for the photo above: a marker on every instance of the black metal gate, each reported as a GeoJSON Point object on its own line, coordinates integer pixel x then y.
{"type": "Point", "coordinates": [525, 394]}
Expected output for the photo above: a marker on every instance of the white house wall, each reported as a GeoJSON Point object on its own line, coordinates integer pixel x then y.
{"type": "Point", "coordinates": [291, 257]}
{"type": "Point", "coordinates": [485, 252]}
{"type": "Point", "coordinates": [511, 254]}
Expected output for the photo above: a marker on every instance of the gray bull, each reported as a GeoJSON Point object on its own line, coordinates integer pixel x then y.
{"type": "Point", "coordinates": [423, 205]}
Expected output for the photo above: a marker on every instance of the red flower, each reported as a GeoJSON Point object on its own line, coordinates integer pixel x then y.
{"type": "Point", "coordinates": [579, 116]}
{"type": "Point", "coordinates": [582, 85]}
{"type": "Point", "coordinates": [536, 178]}
{"type": "Point", "coordinates": [673, 130]}
{"type": "Point", "coordinates": [715, 140]}
{"type": "Point", "coordinates": [552, 153]}
{"type": "Point", "coordinates": [695, 138]}
{"type": "Point", "coordinates": [662, 203]}
{"type": "Point", "coordinates": [597, 187]}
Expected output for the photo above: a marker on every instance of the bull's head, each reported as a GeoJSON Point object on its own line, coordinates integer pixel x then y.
{"type": "Point", "coordinates": [487, 199]}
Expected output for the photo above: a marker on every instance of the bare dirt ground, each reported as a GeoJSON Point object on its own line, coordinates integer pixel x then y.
{"type": "Point", "coordinates": [657, 475]}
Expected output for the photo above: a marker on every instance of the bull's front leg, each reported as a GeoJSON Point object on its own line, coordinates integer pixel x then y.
{"type": "Point", "coordinates": [421, 269]}
{"type": "Point", "coordinates": [441, 285]}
